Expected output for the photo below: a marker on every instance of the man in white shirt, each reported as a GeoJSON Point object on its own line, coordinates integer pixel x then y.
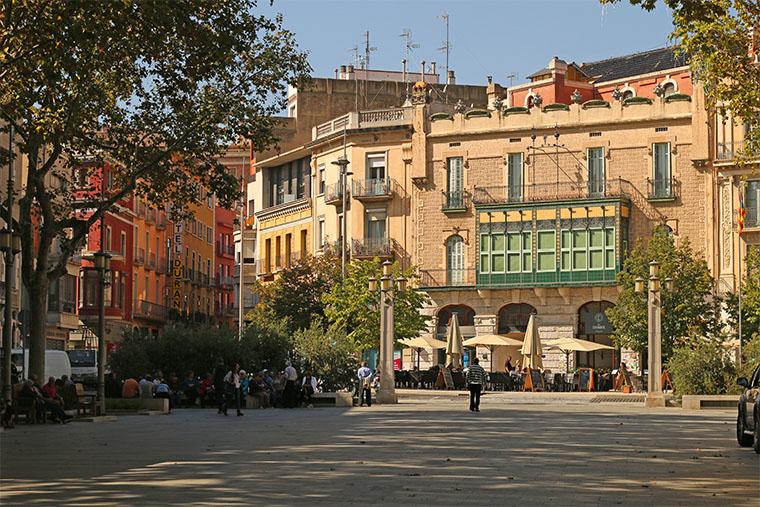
{"type": "Point", "coordinates": [364, 388]}
{"type": "Point", "coordinates": [232, 381]}
{"type": "Point", "coordinates": [290, 394]}
{"type": "Point", "coordinates": [308, 387]}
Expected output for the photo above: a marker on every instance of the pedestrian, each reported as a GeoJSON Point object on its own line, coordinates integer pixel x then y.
{"type": "Point", "coordinates": [232, 384]}
{"type": "Point", "coordinates": [308, 388]}
{"type": "Point", "coordinates": [476, 377]}
{"type": "Point", "coordinates": [219, 388]}
{"type": "Point", "coordinates": [290, 394]}
{"type": "Point", "coordinates": [364, 387]}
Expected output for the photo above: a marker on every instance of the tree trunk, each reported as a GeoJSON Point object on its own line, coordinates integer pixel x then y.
{"type": "Point", "coordinates": [38, 291]}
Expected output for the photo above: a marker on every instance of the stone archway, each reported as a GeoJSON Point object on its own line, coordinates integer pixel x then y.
{"type": "Point", "coordinates": [594, 326]}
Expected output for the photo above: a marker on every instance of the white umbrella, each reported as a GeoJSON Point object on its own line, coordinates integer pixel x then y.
{"type": "Point", "coordinates": [531, 347]}
{"type": "Point", "coordinates": [454, 349]}
{"type": "Point", "coordinates": [491, 341]}
{"type": "Point", "coordinates": [423, 342]}
{"type": "Point", "coordinates": [568, 345]}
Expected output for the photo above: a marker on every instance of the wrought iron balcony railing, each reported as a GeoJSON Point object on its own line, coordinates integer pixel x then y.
{"type": "Point", "coordinates": [371, 247]}
{"type": "Point", "coordinates": [564, 190]}
{"type": "Point", "coordinates": [456, 201]}
{"type": "Point", "coordinates": [377, 188]}
{"type": "Point", "coordinates": [663, 189]}
{"type": "Point", "coordinates": [431, 278]}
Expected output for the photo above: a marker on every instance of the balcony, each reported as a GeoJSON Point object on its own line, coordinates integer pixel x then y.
{"type": "Point", "coordinates": [334, 194]}
{"type": "Point", "coordinates": [447, 278]}
{"type": "Point", "coordinates": [455, 202]}
{"type": "Point", "coordinates": [150, 263]}
{"type": "Point", "coordinates": [225, 282]}
{"type": "Point", "coordinates": [726, 152]}
{"type": "Point", "coordinates": [146, 310]}
{"type": "Point", "coordinates": [391, 117]}
{"type": "Point", "coordinates": [369, 248]}
{"type": "Point", "coordinates": [555, 278]}
{"type": "Point", "coordinates": [140, 209]}
{"type": "Point", "coordinates": [225, 250]}
{"type": "Point", "coordinates": [378, 189]}
{"type": "Point", "coordinates": [150, 216]}
{"type": "Point", "coordinates": [205, 281]}
{"type": "Point", "coordinates": [663, 189]}
{"type": "Point", "coordinates": [161, 221]}
{"type": "Point", "coordinates": [189, 275]}
{"type": "Point", "coordinates": [560, 191]}
{"type": "Point", "coordinates": [163, 265]}
{"type": "Point", "coordinates": [139, 259]}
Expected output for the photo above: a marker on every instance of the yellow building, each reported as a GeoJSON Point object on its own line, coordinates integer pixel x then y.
{"type": "Point", "coordinates": [197, 255]}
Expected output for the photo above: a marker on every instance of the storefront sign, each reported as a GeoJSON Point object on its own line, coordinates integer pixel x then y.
{"type": "Point", "coordinates": [177, 284]}
{"type": "Point", "coordinates": [597, 323]}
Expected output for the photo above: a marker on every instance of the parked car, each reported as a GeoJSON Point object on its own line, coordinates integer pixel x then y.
{"type": "Point", "coordinates": [748, 420]}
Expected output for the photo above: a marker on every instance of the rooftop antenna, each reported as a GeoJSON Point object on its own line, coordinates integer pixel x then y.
{"type": "Point", "coordinates": [447, 45]}
{"type": "Point", "coordinates": [408, 47]}
{"type": "Point", "coordinates": [367, 48]}
{"type": "Point", "coordinates": [357, 56]}
{"type": "Point", "coordinates": [511, 78]}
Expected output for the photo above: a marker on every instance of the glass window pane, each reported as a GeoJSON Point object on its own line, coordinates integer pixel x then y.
{"type": "Point", "coordinates": [579, 260]}
{"type": "Point", "coordinates": [546, 240]}
{"type": "Point", "coordinates": [526, 241]}
{"type": "Point", "coordinates": [455, 174]}
{"type": "Point", "coordinates": [514, 263]}
{"type": "Point", "coordinates": [596, 238]}
{"type": "Point", "coordinates": [579, 239]}
{"type": "Point", "coordinates": [484, 263]}
{"type": "Point", "coordinates": [497, 263]}
{"type": "Point", "coordinates": [484, 243]}
{"type": "Point", "coordinates": [610, 264]}
{"type": "Point", "coordinates": [566, 239]}
{"type": "Point", "coordinates": [610, 237]}
{"type": "Point", "coordinates": [546, 261]}
{"type": "Point", "coordinates": [514, 242]}
{"type": "Point", "coordinates": [596, 259]}
{"type": "Point", "coordinates": [527, 262]}
{"type": "Point", "coordinates": [566, 261]}
{"type": "Point", "coordinates": [497, 243]}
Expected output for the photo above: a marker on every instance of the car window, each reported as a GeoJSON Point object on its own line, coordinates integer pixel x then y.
{"type": "Point", "coordinates": [755, 382]}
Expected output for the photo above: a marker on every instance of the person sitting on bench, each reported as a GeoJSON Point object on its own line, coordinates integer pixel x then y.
{"type": "Point", "coordinates": [308, 387]}
{"type": "Point", "coordinates": [33, 392]}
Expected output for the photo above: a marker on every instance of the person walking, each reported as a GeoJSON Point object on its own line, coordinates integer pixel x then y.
{"type": "Point", "coordinates": [364, 387]}
{"type": "Point", "coordinates": [290, 393]}
{"type": "Point", "coordinates": [219, 386]}
{"type": "Point", "coordinates": [476, 378]}
{"type": "Point", "coordinates": [232, 383]}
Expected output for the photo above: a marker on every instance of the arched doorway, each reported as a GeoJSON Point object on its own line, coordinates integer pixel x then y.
{"type": "Point", "coordinates": [513, 318]}
{"type": "Point", "coordinates": [594, 326]}
{"type": "Point", "coordinates": [466, 318]}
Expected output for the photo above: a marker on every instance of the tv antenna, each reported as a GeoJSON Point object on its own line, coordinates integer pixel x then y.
{"type": "Point", "coordinates": [367, 49]}
{"type": "Point", "coordinates": [409, 46]}
{"type": "Point", "coordinates": [511, 76]}
{"type": "Point", "coordinates": [446, 48]}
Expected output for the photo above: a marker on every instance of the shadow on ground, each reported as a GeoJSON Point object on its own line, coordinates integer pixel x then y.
{"type": "Point", "coordinates": [432, 453]}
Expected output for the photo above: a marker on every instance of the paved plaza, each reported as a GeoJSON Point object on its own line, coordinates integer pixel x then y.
{"type": "Point", "coordinates": [422, 451]}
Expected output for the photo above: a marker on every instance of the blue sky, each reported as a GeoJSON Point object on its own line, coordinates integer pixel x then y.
{"type": "Point", "coordinates": [487, 37]}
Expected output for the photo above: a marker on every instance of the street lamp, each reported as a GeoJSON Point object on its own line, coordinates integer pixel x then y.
{"type": "Point", "coordinates": [10, 244]}
{"type": "Point", "coordinates": [102, 265]}
{"type": "Point", "coordinates": [342, 162]}
{"type": "Point", "coordinates": [654, 397]}
{"type": "Point", "coordinates": [387, 294]}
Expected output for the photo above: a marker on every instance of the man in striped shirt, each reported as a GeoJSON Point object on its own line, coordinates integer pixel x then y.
{"type": "Point", "coordinates": [476, 378]}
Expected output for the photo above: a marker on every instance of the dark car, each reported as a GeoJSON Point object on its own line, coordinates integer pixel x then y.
{"type": "Point", "coordinates": [748, 421]}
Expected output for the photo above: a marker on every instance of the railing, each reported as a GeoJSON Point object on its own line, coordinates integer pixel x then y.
{"type": "Point", "coordinates": [225, 282]}
{"type": "Point", "coordinates": [204, 279]}
{"type": "Point", "coordinates": [334, 193]}
{"type": "Point", "coordinates": [163, 265]}
{"type": "Point", "coordinates": [147, 310]}
{"type": "Point", "coordinates": [666, 188]}
{"type": "Point", "coordinates": [150, 216]}
{"type": "Point", "coordinates": [382, 115]}
{"type": "Point", "coordinates": [548, 278]}
{"type": "Point", "coordinates": [333, 125]}
{"type": "Point", "coordinates": [447, 277]}
{"type": "Point", "coordinates": [752, 218]}
{"type": "Point", "coordinates": [139, 259]}
{"type": "Point", "coordinates": [161, 221]}
{"type": "Point", "coordinates": [225, 250]}
{"type": "Point", "coordinates": [371, 247]}
{"type": "Point", "coordinates": [362, 119]}
{"type": "Point", "coordinates": [549, 192]}
{"type": "Point", "coordinates": [151, 262]}
{"type": "Point", "coordinates": [456, 201]}
{"type": "Point", "coordinates": [377, 187]}
{"type": "Point", "coordinates": [728, 151]}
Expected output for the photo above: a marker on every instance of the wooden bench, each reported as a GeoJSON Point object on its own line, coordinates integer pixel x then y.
{"type": "Point", "coordinates": [26, 407]}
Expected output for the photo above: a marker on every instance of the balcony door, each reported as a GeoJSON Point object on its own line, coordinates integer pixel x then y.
{"type": "Point", "coordinates": [515, 177]}
{"type": "Point", "coordinates": [455, 260]}
{"type": "Point", "coordinates": [663, 177]}
{"type": "Point", "coordinates": [596, 172]}
{"type": "Point", "coordinates": [375, 227]}
{"type": "Point", "coordinates": [456, 182]}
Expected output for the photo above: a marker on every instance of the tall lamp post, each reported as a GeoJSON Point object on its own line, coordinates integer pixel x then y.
{"type": "Point", "coordinates": [102, 265]}
{"type": "Point", "coordinates": [387, 293]}
{"type": "Point", "coordinates": [654, 397]}
{"type": "Point", "coordinates": [342, 162]}
{"type": "Point", "coordinates": [10, 245]}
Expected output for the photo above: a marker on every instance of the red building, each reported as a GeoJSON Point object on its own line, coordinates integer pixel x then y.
{"type": "Point", "coordinates": [225, 265]}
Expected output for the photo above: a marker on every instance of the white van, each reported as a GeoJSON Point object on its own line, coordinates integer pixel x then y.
{"type": "Point", "coordinates": [84, 365]}
{"type": "Point", "coordinates": [56, 363]}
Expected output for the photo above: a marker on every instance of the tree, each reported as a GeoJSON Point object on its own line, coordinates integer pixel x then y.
{"type": "Point", "coordinates": [715, 36]}
{"type": "Point", "coordinates": [296, 294]}
{"type": "Point", "coordinates": [266, 342]}
{"type": "Point", "coordinates": [354, 309]}
{"type": "Point", "coordinates": [330, 354]}
{"type": "Point", "coordinates": [691, 310]}
{"type": "Point", "coordinates": [750, 299]}
{"type": "Point", "coordinates": [155, 90]}
{"type": "Point", "coordinates": [700, 366]}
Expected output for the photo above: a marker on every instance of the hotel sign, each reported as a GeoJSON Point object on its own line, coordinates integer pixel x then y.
{"type": "Point", "coordinates": [177, 284]}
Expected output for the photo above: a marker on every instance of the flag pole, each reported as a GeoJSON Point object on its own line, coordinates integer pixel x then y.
{"type": "Point", "coordinates": [739, 362]}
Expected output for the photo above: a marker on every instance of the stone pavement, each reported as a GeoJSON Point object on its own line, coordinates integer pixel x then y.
{"type": "Point", "coordinates": [415, 453]}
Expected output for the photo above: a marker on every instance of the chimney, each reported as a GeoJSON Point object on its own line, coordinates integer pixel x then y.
{"type": "Point", "coordinates": [350, 69]}
{"type": "Point", "coordinates": [450, 79]}
{"type": "Point", "coordinates": [490, 79]}
{"type": "Point", "coordinates": [343, 72]}
{"type": "Point", "coordinates": [336, 73]}
{"type": "Point", "coordinates": [432, 68]}
{"type": "Point", "coordinates": [422, 76]}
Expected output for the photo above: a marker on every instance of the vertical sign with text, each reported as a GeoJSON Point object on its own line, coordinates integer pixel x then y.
{"type": "Point", "coordinates": [177, 269]}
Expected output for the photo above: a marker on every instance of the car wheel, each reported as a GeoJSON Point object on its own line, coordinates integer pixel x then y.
{"type": "Point", "coordinates": [756, 444]}
{"type": "Point", "coordinates": [743, 438]}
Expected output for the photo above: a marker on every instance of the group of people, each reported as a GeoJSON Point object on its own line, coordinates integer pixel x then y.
{"type": "Point", "coordinates": [54, 398]}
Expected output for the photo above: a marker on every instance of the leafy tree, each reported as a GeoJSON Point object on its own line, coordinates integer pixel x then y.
{"type": "Point", "coordinates": [750, 299]}
{"type": "Point", "coordinates": [700, 366]}
{"type": "Point", "coordinates": [354, 309]}
{"type": "Point", "coordinates": [690, 310]}
{"type": "Point", "coordinates": [266, 342]}
{"type": "Point", "coordinates": [330, 354]}
{"type": "Point", "coordinates": [156, 90]}
{"type": "Point", "coordinates": [715, 36]}
{"type": "Point", "coordinates": [296, 294]}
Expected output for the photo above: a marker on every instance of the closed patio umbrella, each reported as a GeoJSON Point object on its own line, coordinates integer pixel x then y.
{"type": "Point", "coordinates": [423, 342]}
{"type": "Point", "coordinates": [491, 341]}
{"type": "Point", "coordinates": [531, 347]}
{"type": "Point", "coordinates": [454, 348]}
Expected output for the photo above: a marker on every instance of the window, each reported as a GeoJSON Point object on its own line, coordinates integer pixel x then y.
{"type": "Point", "coordinates": [91, 284]}
{"type": "Point", "coordinates": [455, 182]}
{"type": "Point", "coordinates": [210, 236]}
{"type": "Point", "coordinates": [669, 89]}
{"type": "Point", "coordinates": [123, 243]}
{"type": "Point", "coordinates": [588, 249]}
{"type": "Point", "coordinates": [321, 179]}
{"type": "Point", "coordinates": [304, 248]}
{"type": "Point", "coordinates": [108, 240]}
{"type": "Point", "coordinates": [287, 182]}
{"type": "Point", "coordinates": [518, 252]}
{"type": "Point", "coordinates": [485, 249]}
{"type": "Point", "coordinates": [628, 94]}
{"type": "Point", "coordinates": [509, 252]}
{"type": "Point", "coordinates": [375, 225]}
{"type": "Point", "coordinates": [210, 200]}
{"type": "Point", "coordinates": [515, 177]}
{"type": "Point", "coordinates": [546, 251]}
{"type": "Point", "coordinates": [455, 260]}
{"type": "Point", "coordinates": [596, 175]}
{"type": "Point", "coordinates": [662, 185]}
{"type": "Point", "coordinates": [752, 204]}
{"type": "Point", "coordinates": [251, 207]}
{"type": "Point", "coordinates": [376, 166]}
{"type": "Point", "coordinates": [321, 233]}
